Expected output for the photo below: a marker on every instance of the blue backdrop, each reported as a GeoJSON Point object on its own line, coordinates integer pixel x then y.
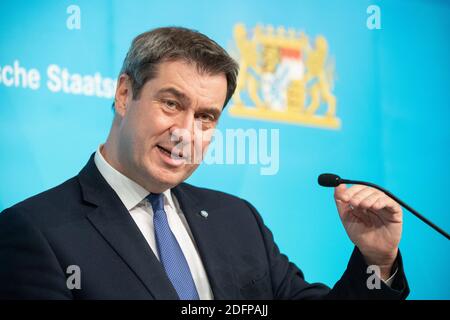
{"type": "Point", "coordinates": [391, 86]}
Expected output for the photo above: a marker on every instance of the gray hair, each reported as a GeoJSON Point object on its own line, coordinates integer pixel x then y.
{"type": "Point", "coordinates": [151, 48]}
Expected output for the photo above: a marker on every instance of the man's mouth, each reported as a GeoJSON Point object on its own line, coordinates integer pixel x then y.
{"type": "Point", "coordinates": [177, 155]}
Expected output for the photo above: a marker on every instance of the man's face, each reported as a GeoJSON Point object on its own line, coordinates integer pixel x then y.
{"type": "Point", "coordinates": [175, 113]}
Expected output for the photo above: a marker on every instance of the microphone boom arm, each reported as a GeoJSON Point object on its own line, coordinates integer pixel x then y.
{"type": "Point", "coordinates": [403, 204]}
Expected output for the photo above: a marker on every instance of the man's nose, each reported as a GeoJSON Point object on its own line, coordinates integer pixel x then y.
{"type": "Point", "coordinates": [183, 128]}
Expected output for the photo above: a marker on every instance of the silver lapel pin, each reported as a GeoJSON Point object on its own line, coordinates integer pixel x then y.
{"type": "Point", "coordinates": [204, 214]}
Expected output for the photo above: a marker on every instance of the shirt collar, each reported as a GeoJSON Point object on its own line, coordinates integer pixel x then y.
{"type": "Point", "coordinates": [129, 192]}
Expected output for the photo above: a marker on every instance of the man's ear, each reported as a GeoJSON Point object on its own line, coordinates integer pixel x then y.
{"type": "Point", "coordinates": [123, 94]}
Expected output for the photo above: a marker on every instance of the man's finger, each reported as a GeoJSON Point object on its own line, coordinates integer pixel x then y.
{"type": "Point", "coordinates": [386, 203]}
{"type": "Point", "coordinates": [347, 195]}
{"type": "Point", "coordinates": [362, 194]}
{"type": "Point", "coordinates": [339, 190]}
{"type": "Point", "coordinates": [370, 200]}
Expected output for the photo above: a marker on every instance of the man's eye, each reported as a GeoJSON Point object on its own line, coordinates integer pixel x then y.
{"type": "Point", "coordinates": [206, 117]}
{"type": "Point", "coordinates": [170, 104]}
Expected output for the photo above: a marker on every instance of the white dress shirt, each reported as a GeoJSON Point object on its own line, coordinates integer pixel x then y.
{"type": "Point", "coordinates": [133, 196]}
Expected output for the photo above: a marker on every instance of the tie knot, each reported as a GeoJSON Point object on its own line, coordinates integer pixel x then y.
{"type": "Point", "coordinates": [157, 201]}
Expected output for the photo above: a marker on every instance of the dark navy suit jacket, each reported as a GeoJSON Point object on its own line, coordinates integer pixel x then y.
{"type": "Point", "coordinates": [82, 222]}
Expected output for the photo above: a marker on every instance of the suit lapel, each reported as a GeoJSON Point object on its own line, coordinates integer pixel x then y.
{"type": "Point", "coordinates": [113, 221]}
{"type": "Point", "coordinates": [210, 240]}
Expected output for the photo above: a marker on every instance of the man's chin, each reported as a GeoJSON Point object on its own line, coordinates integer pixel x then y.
{"type": "Point", "coordinates": [167, 179]}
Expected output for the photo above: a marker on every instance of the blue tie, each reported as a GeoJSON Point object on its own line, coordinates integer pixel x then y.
{"type": "Point", "coordinates": [170, 253]}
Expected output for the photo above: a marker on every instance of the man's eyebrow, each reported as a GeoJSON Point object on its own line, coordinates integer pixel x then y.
{"type": "Point", "coordinates": [185, 99]}
{"type": "Point", "coordinates": [178, 94]}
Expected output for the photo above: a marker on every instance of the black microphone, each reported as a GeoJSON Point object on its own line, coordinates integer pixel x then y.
{"type": "Point", "coordinates": [333, 180]}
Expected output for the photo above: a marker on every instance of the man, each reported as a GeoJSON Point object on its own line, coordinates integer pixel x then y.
{"type": "Point", "coordinates": [132, 229]}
